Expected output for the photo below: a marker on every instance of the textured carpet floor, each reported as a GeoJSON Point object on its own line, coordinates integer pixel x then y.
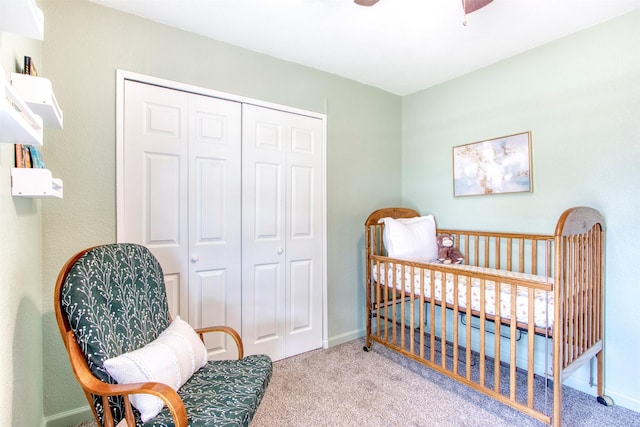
{"type": "Point", "coordinates": [345, 386]}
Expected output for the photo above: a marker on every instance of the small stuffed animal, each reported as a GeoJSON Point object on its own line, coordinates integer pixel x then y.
{"type": "Point", "coordinates": [447, 252]}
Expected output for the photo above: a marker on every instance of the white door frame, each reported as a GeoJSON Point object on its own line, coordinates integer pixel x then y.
{"type": "Point", "coordinates": [122, 75]}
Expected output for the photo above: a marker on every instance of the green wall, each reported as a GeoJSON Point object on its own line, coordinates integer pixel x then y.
{"type": "Point", "coordinates": [84, 45]}
{"type": "Point", "coordinates": [20, 276]}
{"type": "Point", "coordinates": [580, 98]}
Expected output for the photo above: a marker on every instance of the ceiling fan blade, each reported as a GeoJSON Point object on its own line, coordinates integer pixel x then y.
{"type": "Point", "coordinates": [365, 2]}
{"type": "Point", "coordinates": [473, 5]}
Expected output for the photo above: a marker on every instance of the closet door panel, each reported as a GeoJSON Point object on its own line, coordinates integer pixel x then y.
{"type": "Point", "coordinates": [304, 243]}
{"type": "Point", "coordinates": [282, 225]}
{"type": "Point", "coordinates": [211, 289]}
{"type": "Point", "coordinates": [155, 165]}
{"type": "Point", "coordinates": [301, 310]}
{"type": "Point", "coordinates": [263, 234]}
{"type": "Point", "coordinates": [302, 202]}
{"type": "Point", "coordinates": [214, 219]}
{"type": "Point", "coordinates": [266, 299]}
{"type": "Point", "coordinates": [161, 200]}
{"type": "Point", "coordinates": [268, 199]}
{"type": "Point", "coordinates": [210, 195]}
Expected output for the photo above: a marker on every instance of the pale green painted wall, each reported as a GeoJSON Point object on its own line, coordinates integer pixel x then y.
{"type": "Point", "coordinates": [20, 277]}
{"type": "Point", "coordinates": [580, 98]}
{"type": "Point", "coordinates": [85, 44]}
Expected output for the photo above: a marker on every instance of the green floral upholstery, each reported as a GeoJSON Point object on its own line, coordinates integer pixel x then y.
{"type": "Point", "coordinates": [114, 298]}
{"type": "Point", "coordinates": [223, 393]}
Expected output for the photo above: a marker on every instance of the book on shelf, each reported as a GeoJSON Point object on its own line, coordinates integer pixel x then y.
{"type": "Point", "coordinates": [36, 157]}
{"type": "Point", "coordinates": [28, 156]}
{"type": "Point", "coordinates": [19, 156]}
{"type": "Point", "coordinates": [29, 66]}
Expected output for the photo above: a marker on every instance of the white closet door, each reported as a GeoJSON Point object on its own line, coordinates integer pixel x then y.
{"type": "Point", "coordinates": [214, 219]}
{"type": "Point", "coordinates": [281, 232]}
{"type": "Point", "coordinates": [155, 162]}
{"type": "Point", "coordinates": [182, 200]}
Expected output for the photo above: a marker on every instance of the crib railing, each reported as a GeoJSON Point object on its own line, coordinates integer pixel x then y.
{"type": "Point", "coordinates": [429, 331]}
{"type": "Point", "coordinates": [524, 253]}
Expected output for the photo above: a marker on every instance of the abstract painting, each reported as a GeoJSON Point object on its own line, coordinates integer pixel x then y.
{"type": "Point", "coordinates": [493, 166]}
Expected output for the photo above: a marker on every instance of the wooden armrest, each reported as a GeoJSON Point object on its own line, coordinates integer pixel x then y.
{"type": "Point", "coordinates": [226, 329]}
{"type": "Point", "coordinates": [93, 385]}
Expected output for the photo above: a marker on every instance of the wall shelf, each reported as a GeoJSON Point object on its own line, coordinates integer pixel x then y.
{"type": "Point", "coordinates": [30, 182]}
{"type": "Point", "coordinates": [38, 94]}
{"type": "Point", "coordinates": [22, 17]}
{"type": "Point", "coordinates": [18, 124]}
{"type": "Point", "coordinates": [27, 103]}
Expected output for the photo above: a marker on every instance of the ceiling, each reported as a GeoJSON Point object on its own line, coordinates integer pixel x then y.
{"type": "Point", "coordinates": [400, 46]}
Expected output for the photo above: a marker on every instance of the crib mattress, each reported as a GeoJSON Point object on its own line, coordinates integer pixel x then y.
{"type": "Point", "coordinates": [543, 304]}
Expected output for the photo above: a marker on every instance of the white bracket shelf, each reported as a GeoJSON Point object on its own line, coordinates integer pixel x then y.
{"type": "Point", "coordinates": [30, 182]}
{"type": "Point", "coordinates": [37, 93]}
{"type": "Point", "coordinates": [18, 124]}
{"type": "Point", "coordinates": [22, 17]}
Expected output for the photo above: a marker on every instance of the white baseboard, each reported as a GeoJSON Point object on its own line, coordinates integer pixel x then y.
{"type": "Point", "coordinates": [68, 418]}
{"type": "Point", "coordinates": [582, 384]}
{"type": "Point", "coordinates": [343, 338]}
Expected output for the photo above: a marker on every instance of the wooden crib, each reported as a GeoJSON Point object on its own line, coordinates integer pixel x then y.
{"type": "Point", "coordinates": [528, 311]}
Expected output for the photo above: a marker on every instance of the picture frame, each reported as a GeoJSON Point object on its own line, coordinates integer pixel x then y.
{"type": "Point", "coordinates": [493, 166]}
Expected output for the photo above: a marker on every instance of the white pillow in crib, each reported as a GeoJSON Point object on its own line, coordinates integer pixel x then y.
{"type": "Point", "coordinates": [171, 359]}
{"type": "Point", "coordinates": [411, 239]}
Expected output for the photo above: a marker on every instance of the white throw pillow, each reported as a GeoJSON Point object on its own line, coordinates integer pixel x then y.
{"type": "Point", "coordinates": [171, 359]}
{"type": "Point", "coordinates": [411, 239]}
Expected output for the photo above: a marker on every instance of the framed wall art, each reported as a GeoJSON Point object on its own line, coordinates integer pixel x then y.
{"type": "Point", "coordinates": [494, 166]}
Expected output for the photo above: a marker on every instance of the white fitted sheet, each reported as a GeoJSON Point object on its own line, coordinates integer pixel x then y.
{"type": "Point", "coordinates": [543, 304]}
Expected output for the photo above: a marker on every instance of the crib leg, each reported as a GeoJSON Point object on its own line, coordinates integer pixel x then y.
{"type": "Point", "coordinates": [367, 343]}
{"type": "Point", "coordinates": [603, 399]}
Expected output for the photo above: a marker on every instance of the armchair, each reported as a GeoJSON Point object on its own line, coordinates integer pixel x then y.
{"type": "Point", "coordinates": [110, 304]}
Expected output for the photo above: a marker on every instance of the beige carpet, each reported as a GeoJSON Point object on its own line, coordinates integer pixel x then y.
{"type": "Point", "coordinates": [345, 386]}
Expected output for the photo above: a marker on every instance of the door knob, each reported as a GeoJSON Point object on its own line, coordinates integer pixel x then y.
{"type": "Point", "coordinates": [280, 251]}
{"type": "Point", "coordinates": [195, 258]}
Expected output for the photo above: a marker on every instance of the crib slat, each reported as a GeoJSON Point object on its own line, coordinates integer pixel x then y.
{"type": "Point", "coordinates": [497, 340]}
{"type": "Point", "coordinates": [512, 362]}
{"type": "Point", "coordinates": [486, 252]}
{"type": "Point", "coordinates": [482, 331]}
{"type": "Point", "coordinates": [468, 333]}
{"type": "Point", "coordinates": [412, 312]}
{"type": "Point", "coordinates": [422, 316]}
{"type": "Point", "coordinates": [455, 324]}
{"type": "Point", "coordinates": [402, 342]}
{"type": "Point", "coordinates": [377, 292]}
{"type": "Point", "coordinates": [475, 244]}
{"type": "Point", "coordinates": [394, 313]}
{"type": "Point", "coordinates": [534, 259]}
{"type": "Point", "coordinates": [432, 313]}
{"type": "Point", "coordinates": [531, 346]}
{"type": "Point", "coordinates": [443, 327]}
